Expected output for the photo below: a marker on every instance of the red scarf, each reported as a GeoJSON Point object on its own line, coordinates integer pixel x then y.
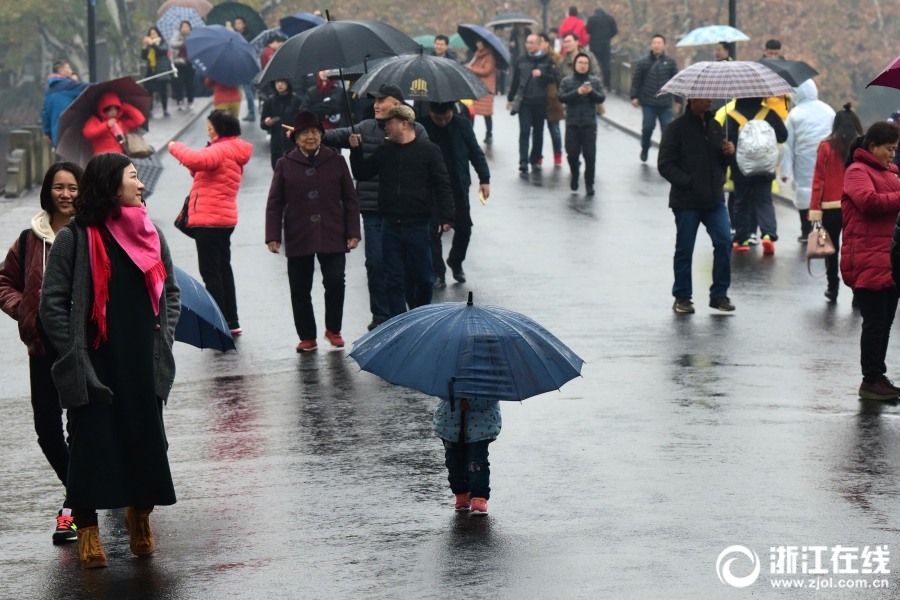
{"type": "Point", "coordinates": [138, 237]}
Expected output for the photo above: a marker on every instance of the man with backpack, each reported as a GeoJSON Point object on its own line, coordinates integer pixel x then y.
{"type": "Point", "coordinates": [755, 130]}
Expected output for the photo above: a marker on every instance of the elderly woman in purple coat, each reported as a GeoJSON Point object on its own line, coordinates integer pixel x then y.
{"type": "Point", "coordinates": [312, 199]}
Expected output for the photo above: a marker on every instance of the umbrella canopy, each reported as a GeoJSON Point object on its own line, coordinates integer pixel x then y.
{"type": "Point", "coordinates": [794, 72]}
{"type": "Point", "coordinates": [511, 18]}
{"type": "Point", "coordinates": [427, 41]}
{"type": "Point", "coordinates": [227, 12]}
{"type": "Point", "coordinates": [71, 143]}
{"type": "Point", "coordinates": [472, 33]}
{"type": "Point", "coordinates": [222, 55]}
{"type": "Point", "coordinates": [260, 42]}
{"type": "Point", "coordinates": [712, 34]}
{"type": "Point", "coordinates": [727, 79]}
{"type": "Point", "coordinates": [480, 352]}
{"type": "Point", "coordinates": [171, 20]}
{"type": "Point", "coordinates": [334, 45]}
{"type": "Point", "coordinates": [456, 41]}
{"type": "Point", "coordinates": [299, 22]}
{"type": "Point", "coordinates": [357, 71]}
{"type": "Point", "coordinates": [890, 77]}
{"type": "Point", "coordinates": [201, 6]}
{"type": "Point", "coordinates": [423, 77]}
{"type": "Point", "coordinates": [201, 323]}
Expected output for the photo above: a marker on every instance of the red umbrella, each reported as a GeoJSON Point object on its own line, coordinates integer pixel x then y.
{"type": "Point", "coordinates": [71, 143]}
{"type": "Point", "coordinates": [201, 6]}
{"type": "Point", "coordinates": [890, 77]}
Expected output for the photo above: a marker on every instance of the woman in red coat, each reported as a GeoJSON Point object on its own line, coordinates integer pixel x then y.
{"type": "Point", "coordinates": [313, 199]}
{"type": "Point", "coordinates": [212, 205]}
{"type": "Point", "coordinates": [870, 205]}
{"type": "Point", "coordinates": [106, 130]}
{"type": "Point", "coordinates": [828, 187]}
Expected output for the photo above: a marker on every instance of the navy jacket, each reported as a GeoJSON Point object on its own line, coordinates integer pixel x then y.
{"type": "Point", "coordinates": [465, 150]}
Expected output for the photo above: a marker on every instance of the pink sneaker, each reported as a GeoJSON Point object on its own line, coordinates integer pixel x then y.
{"type": "Point", "coordinates": [479, 507]}
{"type": "Point", "coordinates": [335, 338]}
{"type": "Point", "coordinates": [557, 159]}
{"type": "Point", "coordinates": [462, 502]}
{"type": "Point", "coordinates": [237, 331]}
{"type": "Point", "coordinates": [307, 346]}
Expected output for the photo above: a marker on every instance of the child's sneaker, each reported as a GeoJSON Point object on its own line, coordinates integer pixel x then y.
{"type": "Point", "coordinates": [479, 507]}
{"type": "Point", "coordinates": [462, 502]}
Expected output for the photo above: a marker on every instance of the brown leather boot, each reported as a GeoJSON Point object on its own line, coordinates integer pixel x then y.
{"type": "Point", "coordinates": [90, 548]}
{"type": "Point", "coordinates": [138, 524]}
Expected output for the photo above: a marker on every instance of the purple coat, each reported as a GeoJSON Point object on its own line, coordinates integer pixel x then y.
{"type": "Point", "coordinates": [314, 201]}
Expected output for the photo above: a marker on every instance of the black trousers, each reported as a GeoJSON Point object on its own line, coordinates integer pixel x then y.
{"type": "Point", "coordinates": [300, 277]}
{"type": "Point", "coordinates": [877, 308]}
{"type": "Point", "coordinates": [582, 140]}
{"type": "Point", "coordinates": [214, 258]}
{"type": "Point", "coordinates": [161, 88]}
{"type": "Point", "coordinates": [183, 85]}
{"type": "Point", "coordinates": [462, 234]}
{"type": "Point", "coordinates": [833, 223]}
{"type": "Point", "coordinates": [603, 57]}
{"type": "Point", "coordinates": [48, 422]}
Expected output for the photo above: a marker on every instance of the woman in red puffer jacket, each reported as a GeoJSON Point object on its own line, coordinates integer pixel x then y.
{"type": "Point", "coordinates": [870, 205]}
{"type": "Point", "coordinates": [114, 118]}
{"type": "Point", "coordinates": [212, 205]}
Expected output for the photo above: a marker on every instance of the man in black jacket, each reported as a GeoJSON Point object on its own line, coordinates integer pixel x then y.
{"type": "Point", "coordinates": [532, 72]}
{"type": "Point", "coordinates": [412, 177]}
{"type": "Point", "coordinates": [456, 139]}
{"type": "Point", "coordinates": [693, 156]}
{"type": "Point", "coordinates": [602, 28]}
{"type": "Point", "coordinates": [650, 74]}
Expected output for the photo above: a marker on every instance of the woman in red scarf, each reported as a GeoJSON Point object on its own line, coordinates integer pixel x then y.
{"type": "Point", "coordinates": [327, 101]}
{"type": "Point", "coordinates": [109, 305]}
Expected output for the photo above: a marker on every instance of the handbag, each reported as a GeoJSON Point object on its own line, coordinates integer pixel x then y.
{"type": "Point", "coordinates": [181, 221]}
{"type": "Point", "coordinates": [818, 245]}
{"type": "Point", "coordinates": [136, 146]}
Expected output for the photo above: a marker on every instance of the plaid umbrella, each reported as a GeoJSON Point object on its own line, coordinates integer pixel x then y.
{"type": "Point", "coordinates": [171, 20]}
{"type": "Point", "coordinates": [712, 34]}
{"type": "Point", "coordinates": [201, 6]}
{"type": "Point", "coordinates": [149, 170]}
{"type": "Point", "coordinates": [726, 80]}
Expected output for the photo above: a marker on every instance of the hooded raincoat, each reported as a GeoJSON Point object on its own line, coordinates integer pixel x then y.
{"type": "Point", "coordinates": [808, 123]}
{"type": "Point", "coordinates": [100, 134]}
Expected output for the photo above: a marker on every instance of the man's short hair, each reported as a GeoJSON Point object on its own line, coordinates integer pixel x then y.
{"type": "Point", "coordinates": [573, 11]}
{"type": "Point", "coordinates": [442, 38]}
{"type": "Point", "coordinates": [241, 19]}
{"type": "Point", "coordinates": [572, 35]}
{"type": "Point", "coordinates": [773, 45]}
{"type": "Point", "coordinates": [724, 46]}
{"type": "Point", "coordinates": [59, 65]}
{"type": "Point", "coordinates": [442, 107]}
{"type": "Point", "coordinates": [554, 30]}
{"type": "Point", "coordinates": [544, 36]}
{"type": "Point", "coordinates": [660, 36]}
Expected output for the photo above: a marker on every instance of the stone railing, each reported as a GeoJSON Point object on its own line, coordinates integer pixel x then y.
{"type": "Point", "coordinates": [30, 155]}
{"type": "Point", "coordinates": [621, 73]}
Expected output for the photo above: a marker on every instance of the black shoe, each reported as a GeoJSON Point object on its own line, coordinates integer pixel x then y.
{"type": "Point", "coordinates": [573, 182]}
{"type": "Point", "coordinates": [375, 323]}
{"type": "Point", "coordinates": [439, 283]}
{"type": "Point", "coordinates": [644, 153]}
{"type": "Point", "coordinates": [589, 189]}
{"type": "Point", "coordinates": [488, 140]}
{"type": "Point", "coordinates": [831, 295]}
{"type": "Point", "coordinates": [250, 118]}
{"type": "Point", "coordinates": [802, 239]}
{"type": "Point", "coordinates": [683, 306]}
{"type": "Point", "coordinates": [722, 303]}
{"type": "Point", "coordinates": [458, 274]}
{"type": "Point", "coordinates": [523, 168]}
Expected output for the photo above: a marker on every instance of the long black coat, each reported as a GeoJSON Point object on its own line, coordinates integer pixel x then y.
{"type": "Point", "coordinates": [602, 28]}
{"type": "Point", "coordinates": [692, 160]}
{"type": "Point", "coordinates": [283, 108]}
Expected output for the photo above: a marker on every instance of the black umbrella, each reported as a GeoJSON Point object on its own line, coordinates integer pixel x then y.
{"type": "Point", "coordinates": [356, 71]}
{"type": "Point", "coordinates": [227, 12]}
{"type": "Point", "coordinates": [428, 78]}
{"type": "Point", "coordinates": [298, 23]}
{"type": "Point", "coordinates": [510, 18]}
{"type": "Point", "coordinates": [794, 72]}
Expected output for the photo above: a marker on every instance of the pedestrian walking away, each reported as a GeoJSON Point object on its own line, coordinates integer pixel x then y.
{"type": "Point", "coordinates": [109, 305]}
{"type": "Point", "coordinates": [581, 93]}
{"type": "Point", "coordinates": [532, 72]}
{"type": "Point", "coordinates": [828, 187]}
{"type": "Point", "coordinates": [459, 148]}
{"type": "Point", "coordinates": [106, 130]}
{"type": "Point", "coordinates": [62, 89]}
{"type": "Point", "coordinates": [21, 277]}
{"type": "Point", "coordinates": [693, 156]}
{"type": "Point", "coordinates": [556, 112]}
{"type": "Point", "coordinates": [573, 24]}
{"type": "Point", "coordinates": [412, 185]}
{"type": "Point", "coordinates": [212, 212]}
{"type": "Point", "coordinates": [602, 28]}
{"type": "Point", "coordinates": [225, 97]}
{"type": "Point", "coordinates": [156, 54]}
{"type": "Point", "coordinates": [484, 64]}
{"type": "Point", "coordinates": [313, 201]}
{"type": "Point", "coordinates": [281, 108]}
{"type": "Point", "coordinates": [870, 204]}
{"type": "Point", "coordinates": [372, 135]}
{"type": "Point", "coordinates": [809, 122]}
{"type": "Point", "coordinates": [650, 74]}
{"type": "Point", "coordinates": [183, 84]}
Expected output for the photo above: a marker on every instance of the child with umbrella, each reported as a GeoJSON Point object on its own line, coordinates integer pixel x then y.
{"type": "Point", "coordinates": [106, 130]}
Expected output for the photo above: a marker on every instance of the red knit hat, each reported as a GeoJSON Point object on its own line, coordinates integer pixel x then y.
{"type": "Point", "coordinates": [304, 120]}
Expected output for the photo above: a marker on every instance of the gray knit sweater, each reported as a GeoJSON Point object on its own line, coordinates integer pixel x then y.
{"type": "Point", "coordinates": [66, 303]}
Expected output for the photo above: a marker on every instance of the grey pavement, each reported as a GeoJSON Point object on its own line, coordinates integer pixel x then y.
{"type": "Point", "coordinates": [302, 477]}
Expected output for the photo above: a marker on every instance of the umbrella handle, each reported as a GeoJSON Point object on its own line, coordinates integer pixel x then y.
{"type": "Point", "coordinates": [174, 72]}
{"type": "Point", "coordinates": [347, 100]}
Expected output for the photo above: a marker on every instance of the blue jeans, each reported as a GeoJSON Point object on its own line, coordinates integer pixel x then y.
{"type": "Point", "coordinates": [651, 115]}
{"type": "Point", "coordinates": [555, 136]}
{"type": "Point", "coordinates": [718, 227]}
{"type": "Point", "coordinates": [406, 247]}
{"type": "Point", "coordinates": [531, 125]}
{"type": "Point", "coordinates": [251, 99]}
{"type": "Point", "coordinates": [468, 469]}
{"type": "Point", "coordinates": [375, 266]}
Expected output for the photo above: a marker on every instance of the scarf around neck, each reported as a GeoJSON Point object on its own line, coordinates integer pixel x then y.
{"type": "Point", "coordinates": [137, 236]}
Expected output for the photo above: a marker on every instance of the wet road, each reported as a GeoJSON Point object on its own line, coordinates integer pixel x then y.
{"type": "Point", "coordinates": [300, 477]}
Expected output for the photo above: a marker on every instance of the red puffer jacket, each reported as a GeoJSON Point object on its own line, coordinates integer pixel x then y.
{"type": "Point", "coordinates": [828, 180]}
{"type": "Point", "coordinates": [217, 171]}
{"type": "Point", "coordinates": [870, 205]}
{"type": "Point", "coordinates": [100, 134]}
{"type": "Point", "coordinates": [20, 293]}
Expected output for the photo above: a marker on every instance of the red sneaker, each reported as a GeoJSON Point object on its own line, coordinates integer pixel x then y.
{"type": "Point", "coordinates": [335, 338]}
{"type": "Point", "coordinates": [307, 346]}
{"type": "Point", "coordinates": [237, 331]}
{"type": "Point", "coordinates": [745, 247]}
{"type": "Point", "coordinates": [540, 161]}
{"type": "Point", "coordinates": [768, 245]}
{"type": "Point", "coordinates": [463, 503]}
{"type": "Point", "coordinates": [479, 507]}
{"type": "Point", "coordinates": [557, 159]}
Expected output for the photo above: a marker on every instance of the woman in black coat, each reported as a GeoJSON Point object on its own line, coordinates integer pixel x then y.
{"type": "Point", "coordinates": [279, 109]}
{"type": "Point", "coordinates": [156, 54]}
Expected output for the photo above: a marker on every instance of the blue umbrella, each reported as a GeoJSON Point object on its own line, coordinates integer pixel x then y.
{"type": "Point", "coordinates": [298, 23]}
{"type": "Point", "coordinates": [171, 20]}
{"type": "Point", "coordinates": [464, 350]}
{"type": "Point", "coordinates": [201, 323]}
{"type": "Point", "coordinates": [472, 33]}
{"type": "Point", "coordinates": [712, 34]}
{"type": "Point", "coordinates": [222, 55]}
